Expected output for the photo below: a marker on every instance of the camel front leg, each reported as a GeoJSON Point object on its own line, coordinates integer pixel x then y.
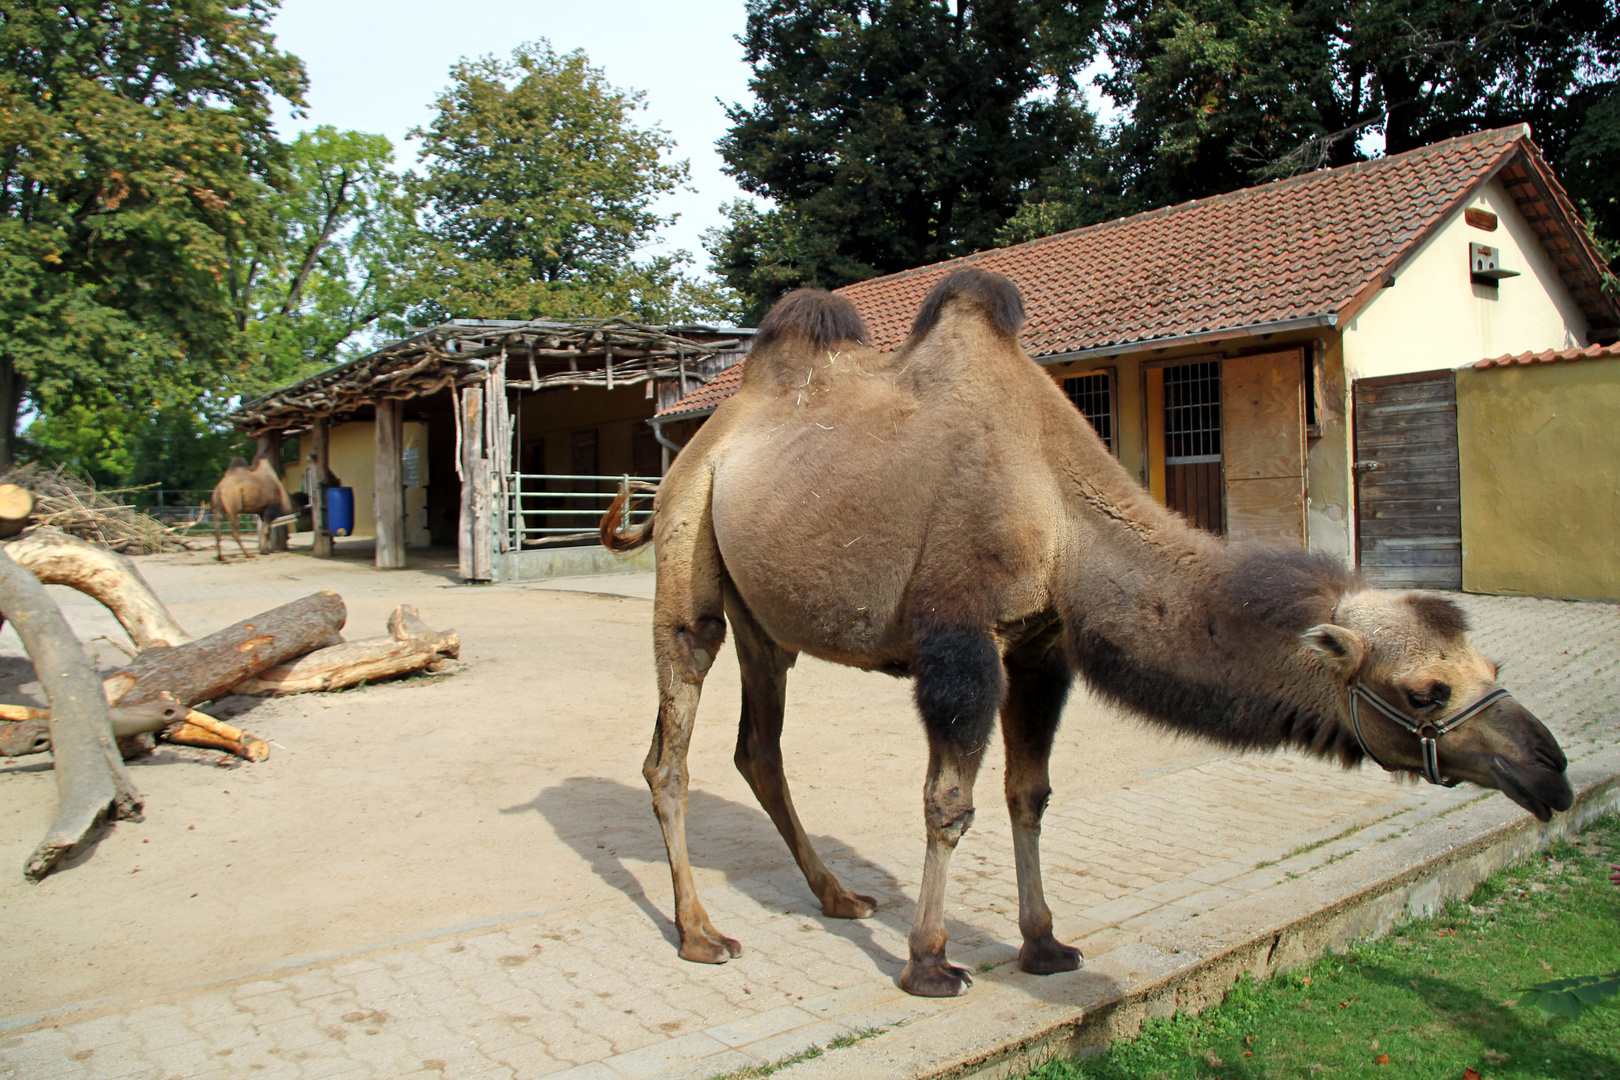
{"type": "Point", "coordinates": [765, 666]}
{"type": "Point", "coordinates": [959, 688]}
{"type": "Point", "coordinates": [1038, 681]}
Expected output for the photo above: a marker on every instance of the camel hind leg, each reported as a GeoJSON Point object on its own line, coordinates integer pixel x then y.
{"type": "Point", "coordinates": [1038, 681]}
{"type": "Point", "coordinates": [688, 629]}
{"type": "Point", "coordinates": [765, 666]}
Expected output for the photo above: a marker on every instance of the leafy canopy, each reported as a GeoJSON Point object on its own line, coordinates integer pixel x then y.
{"type": "Point", "coordinates": [890, 133]}
{"type": "Point", "coordinates": [134, 138]}
{"type": "Point", "coordinates": [539, 192]}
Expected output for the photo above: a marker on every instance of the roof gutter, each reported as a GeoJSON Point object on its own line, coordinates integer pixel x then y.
{"type": "Point", "coordinates": [1280, 326]}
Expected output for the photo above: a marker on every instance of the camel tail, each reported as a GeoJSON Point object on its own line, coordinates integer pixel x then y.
{"type": "Point", "coordinates": [615, 537]}
{"type": "Point", "coordinates": [822, 318]}
{"type": "Point", "coordinates": [994, 292]}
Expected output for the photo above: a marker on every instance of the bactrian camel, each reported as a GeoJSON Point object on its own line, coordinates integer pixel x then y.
{"type": "Point", "coordinates": [250, 489]}
{"type": "Point", "coordinates": [944, 513]}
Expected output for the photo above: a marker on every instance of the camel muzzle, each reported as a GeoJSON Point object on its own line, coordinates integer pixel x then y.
{"type": "Point", "coordinates": [1429, 732]}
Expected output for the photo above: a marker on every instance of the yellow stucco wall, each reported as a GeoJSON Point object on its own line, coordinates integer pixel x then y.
{"type": "Point", "coordinates": [1434, 316]}
{"type": "Point", "coordinates": [1539, 448]}
{"type": "Point", "coordinates": [555, 415]}
{"type": "Point", "coordinates": [353, 447]}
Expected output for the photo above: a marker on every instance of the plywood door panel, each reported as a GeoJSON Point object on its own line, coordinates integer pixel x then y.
{"type": "Point", "coordinates": [1263, 421]}
{"type": "Point", "coordinates": [1408, 495]}
{"type": "Point", "coordinates": [1270, 510]}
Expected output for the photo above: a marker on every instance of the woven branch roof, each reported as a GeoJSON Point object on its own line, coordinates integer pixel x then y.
{"type": "Point", "coordinates": [539, 354]}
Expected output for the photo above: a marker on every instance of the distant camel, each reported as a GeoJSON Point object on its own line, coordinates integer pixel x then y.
{"type": "Point", "coordinates": [246, 489]}
{"type": "Point", "coordinates": [945, 513]}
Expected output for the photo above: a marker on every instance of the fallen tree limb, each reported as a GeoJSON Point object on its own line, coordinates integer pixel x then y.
{"type": "Point", "coordinates": [56, 558]}
{"type": "Point", "coordinates": [411, 645]}
{"type": "Point", "coordinates": [209, 667]}
{"type": "Point", "coordinates": [25, 730]}
{"type": "Point", "coordinates": [200, 729]}
{"type": "Point", "coordinates": [91, 782]}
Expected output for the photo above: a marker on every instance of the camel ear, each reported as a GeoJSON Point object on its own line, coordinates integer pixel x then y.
{"type": "Point", "coordinates": [1344, 648]}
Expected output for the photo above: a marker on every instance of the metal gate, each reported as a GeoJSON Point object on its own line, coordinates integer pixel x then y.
{"type": "Point", "coordinates": [1408, 492]}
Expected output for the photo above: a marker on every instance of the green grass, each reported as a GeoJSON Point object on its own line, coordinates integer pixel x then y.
{"type": "Point", "coordinates": [758, 1072]}
{"type": "Point", "coordinates": [1437, 996]}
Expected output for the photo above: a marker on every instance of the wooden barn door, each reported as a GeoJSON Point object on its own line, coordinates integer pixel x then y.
{"type": "Point", "coordinates": [1408, 494]}
{"type": "Point", "coordinates": [1263, 406]}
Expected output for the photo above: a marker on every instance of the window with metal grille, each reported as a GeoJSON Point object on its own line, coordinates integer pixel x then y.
{"type": "Point", "coordinates": [1093, 395]}
{"type": "Point", "coordinates": [1192, 413]}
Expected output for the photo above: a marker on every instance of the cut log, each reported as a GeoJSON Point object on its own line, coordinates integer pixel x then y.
{"type": "Point", "coordinates": [209, 667]}
{"type": "Point", "coordinates": [26, 730]}
{"type": "Point", "coordinates": [16, 503]}
{"type": "Point", "coordinates": [411, 645]}
{"type": "Point", "coordinates": [91, 782]}
{"type": "Point", "coordinates": [56, 558]}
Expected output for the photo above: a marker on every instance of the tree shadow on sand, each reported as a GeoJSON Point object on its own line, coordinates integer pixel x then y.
{"type": "Point", "coordinates": [608, 823]}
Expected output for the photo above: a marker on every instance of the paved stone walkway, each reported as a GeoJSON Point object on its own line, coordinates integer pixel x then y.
{"type": "Point", "coordinates": [596, 992]}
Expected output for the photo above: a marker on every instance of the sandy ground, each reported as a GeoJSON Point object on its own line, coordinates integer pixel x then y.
{"type": "Point", "coordinates": [507, 788]}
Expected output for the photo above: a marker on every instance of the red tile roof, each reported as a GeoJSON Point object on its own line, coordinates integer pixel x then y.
{"type": "Point", "coordinates": [1552, 356]}
{"type": "Point", "coordinates": [1313, 247]}
{"type": "Point", "coordinates": [1309, 250]}
{"type": "Point", "coordinates": [706, 398]}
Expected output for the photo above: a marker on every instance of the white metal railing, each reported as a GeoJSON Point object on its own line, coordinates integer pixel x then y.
{"type": "Point", "coordinates": [561, 508]}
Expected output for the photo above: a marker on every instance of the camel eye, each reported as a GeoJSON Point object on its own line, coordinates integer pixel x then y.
{"type": "Point", "coordinates": [1433, 698]}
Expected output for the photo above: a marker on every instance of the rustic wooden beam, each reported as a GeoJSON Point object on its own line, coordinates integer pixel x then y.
{"type": "Point", "coordinates": [474, 534]}
{"type": "Point", "coordinates": [320, 441]}
{"type": "Point", "coordinates": [388, 471]}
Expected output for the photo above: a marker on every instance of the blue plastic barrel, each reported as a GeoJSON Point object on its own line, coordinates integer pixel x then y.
{"type": "Point", "coordinates": [340, 510]}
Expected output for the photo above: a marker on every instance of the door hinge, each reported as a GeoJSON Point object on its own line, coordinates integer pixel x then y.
{"type": "Point", "coordinates": [1367, 466]}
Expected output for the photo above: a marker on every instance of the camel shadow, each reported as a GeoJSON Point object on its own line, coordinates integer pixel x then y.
{"type": "Point", "coordinates": [609, 823]}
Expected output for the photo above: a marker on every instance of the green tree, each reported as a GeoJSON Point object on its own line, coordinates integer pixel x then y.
{"type": "Point", "coordinates": [1220, 94]}
{"type": "Point", "coordinates": [539, 189]}
{"type": "Point", "coordinates": [343, 252]}
{"type": "Point", "coordinates": [134, 138]}
{"type": "Point", "coordinates": [891, 133]}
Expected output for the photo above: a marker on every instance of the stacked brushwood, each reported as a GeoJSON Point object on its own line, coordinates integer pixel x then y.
{"type": "Point", "coordinates": [93, 724]}
{"type": "Point", "coordinates": [74, 505]}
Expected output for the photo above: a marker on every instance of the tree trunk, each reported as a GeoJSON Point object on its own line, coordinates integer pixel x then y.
{"type": "Point", "coordinates": [209, 667]}
{"type": "Point", "coordinates": [12, 386]}
{"type": "Point", "coordinates": [91, 782]}
{"type": "Point", "coordinates": [59, 559]}
{"type": "Point", "coordinates": [411, 645]}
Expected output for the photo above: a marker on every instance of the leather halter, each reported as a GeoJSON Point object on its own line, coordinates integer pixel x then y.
{"type": "Point", "coordinates": [1427, 731]}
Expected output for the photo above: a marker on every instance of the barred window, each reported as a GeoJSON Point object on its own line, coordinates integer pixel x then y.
{"type": "Point", "coordinates": [1192, 413]}
{"type": "Point", "coordinates": [1093, 395]}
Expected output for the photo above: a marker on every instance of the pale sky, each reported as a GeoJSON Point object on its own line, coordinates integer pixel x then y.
{"type": "Point", "coordinates": [377, 67]}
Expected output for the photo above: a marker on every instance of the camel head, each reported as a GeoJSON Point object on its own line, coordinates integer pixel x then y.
{"type": "Point", "coordinates": [1411, 676]}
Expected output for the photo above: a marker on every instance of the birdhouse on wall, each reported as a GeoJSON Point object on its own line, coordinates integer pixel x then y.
{"type": "Point", "coordinates": [1485, 265]}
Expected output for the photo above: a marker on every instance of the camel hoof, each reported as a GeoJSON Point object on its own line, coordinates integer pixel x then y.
{"type": "Point", "coordinates": [935, 978]}
{"type": "Point", "coordinates": [848, 905]}
{"type": "Point", "coordinates": [1048, 956]}
{"type": "Point", "coordinates": [703, 949]}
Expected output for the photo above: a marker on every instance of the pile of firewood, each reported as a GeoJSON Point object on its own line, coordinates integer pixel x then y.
{"type": "Point", "coordinates": [92, 728]}
{"type": "Point", "coordinates": [77, 507]}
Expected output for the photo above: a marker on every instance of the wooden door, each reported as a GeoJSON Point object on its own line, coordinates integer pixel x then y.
{"type": "Point", "coordinates": [1263, 420]}
{"type": "Point", "coordinates": [1408, 492]}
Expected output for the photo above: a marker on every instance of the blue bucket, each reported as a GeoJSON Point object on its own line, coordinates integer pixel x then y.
{"type": "Point", "coordinates": [340, 511]}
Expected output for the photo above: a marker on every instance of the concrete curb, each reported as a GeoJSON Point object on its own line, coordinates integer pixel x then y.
{"type": "Point", "coordinates": [1018, 1021]}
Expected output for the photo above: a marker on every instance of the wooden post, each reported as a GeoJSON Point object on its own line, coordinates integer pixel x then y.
{"type": "Point", "coordinates": [474, 539]}
{"type": "Point", "coordinates": [271, 539]}
{"type": "Point", "coordinates": [390, 492]}
{"type": "Point", "coordinates": [320, 437]}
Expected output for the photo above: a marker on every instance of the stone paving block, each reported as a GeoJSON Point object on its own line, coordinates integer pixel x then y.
{"type": "Point", "coordinates": [761, 1025]}
{"type": "Point", "coordinates": [593, 1070]}
{"type": "Point", "coordinates": [1116, 911]}
{"type": "Point", "coordinates": [111, 1064]}
{"type": "Point", "coordinates": [102, 1031]}
{"type": "Point", "coordinates": [44, 1053]}
{"type": "Point", "coordinates": [792, 1043]}
{"type": "Point", "coordinates": [664, 1055]}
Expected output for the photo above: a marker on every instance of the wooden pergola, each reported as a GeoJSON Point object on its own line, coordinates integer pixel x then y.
{"type": "Point", "coordinates": [479, 362]}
